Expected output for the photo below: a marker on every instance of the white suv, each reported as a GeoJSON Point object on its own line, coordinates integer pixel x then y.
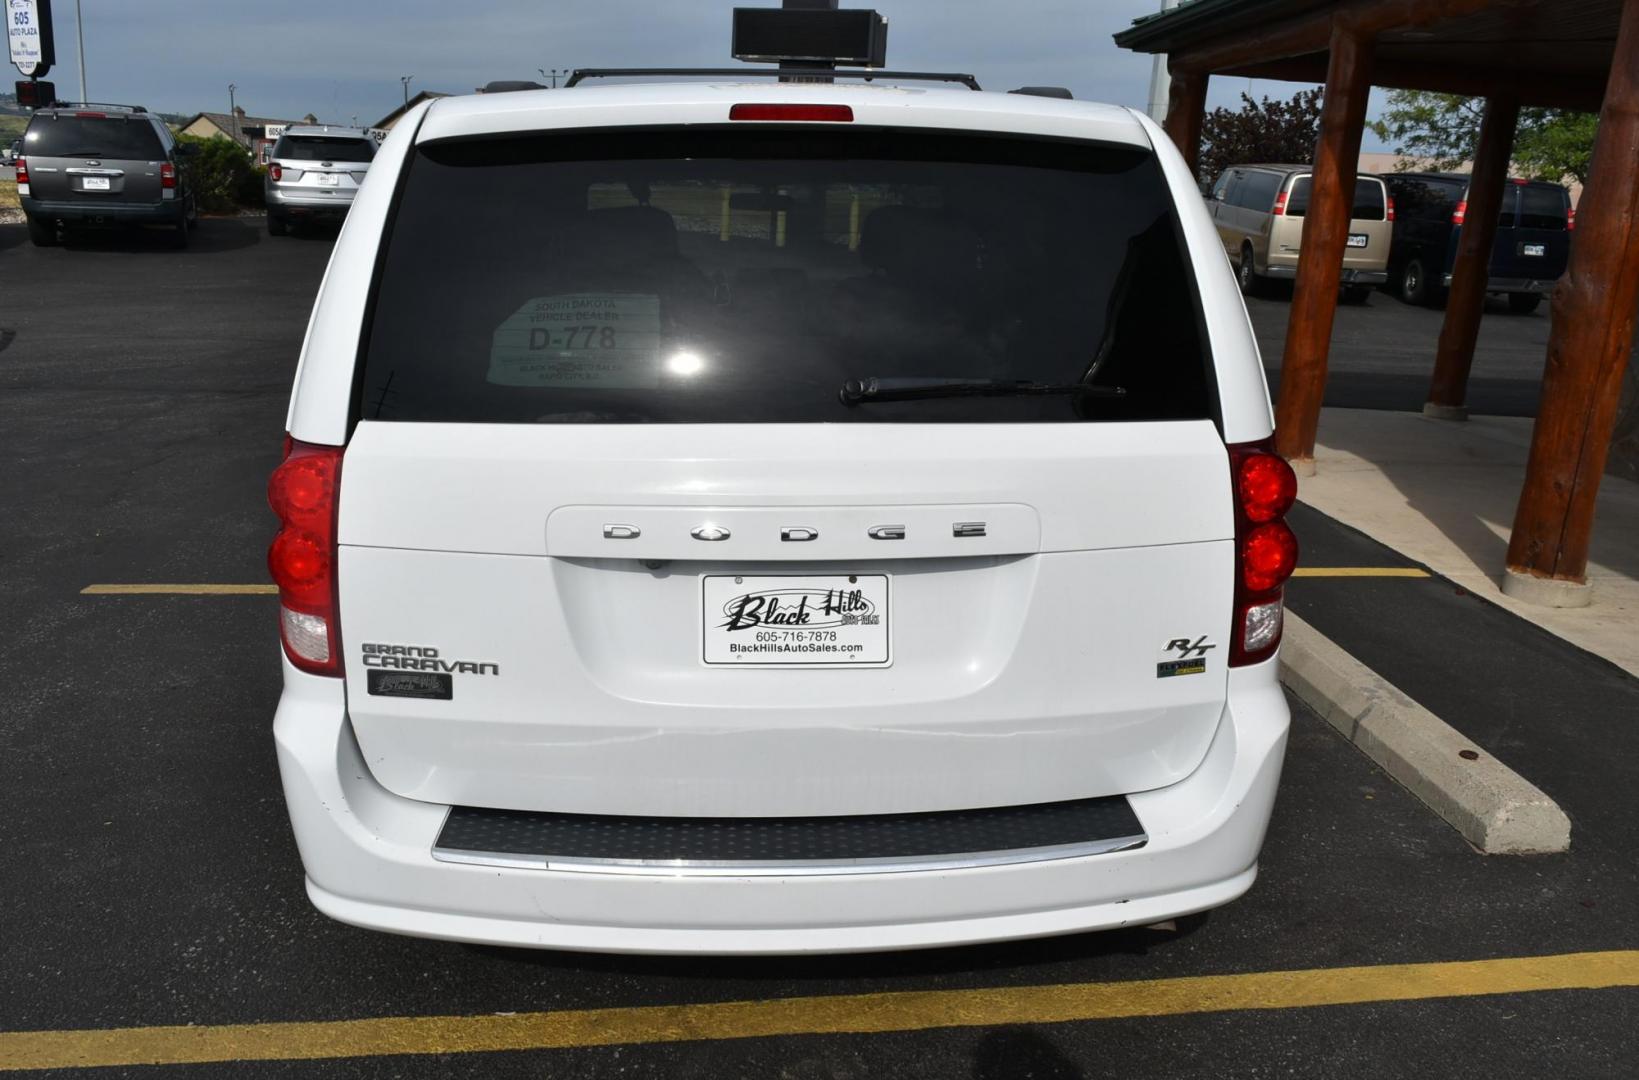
{"type": "Point", "coordinates": [778, 518]}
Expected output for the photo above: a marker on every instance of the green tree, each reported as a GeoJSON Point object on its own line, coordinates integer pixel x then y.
{"type": "Point", "coordinates": [1442, 129]}
{"type": "Point", "coordinates": [1264, 130]}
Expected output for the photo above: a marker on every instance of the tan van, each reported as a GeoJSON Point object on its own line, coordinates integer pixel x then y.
{"type": "Point", "coordinates": [1259, 213]}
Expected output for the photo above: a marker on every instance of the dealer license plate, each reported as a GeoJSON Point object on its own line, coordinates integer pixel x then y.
{"type": "Point", "coordinates": [94, 183]}
{"type": "Point", "coordinates": [1358, 239]}
{"type": "Point", "coordinates": [1534, 249]}
{"type": "Point", "coordinates": [328, 179]}
{"type": "Point", "coordinates": [795, 620]}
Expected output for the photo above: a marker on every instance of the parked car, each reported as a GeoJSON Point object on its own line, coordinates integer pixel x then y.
{"type": "Point", "coordinates": [98, 165]}
{"type": "Point", "coordinates": [1259, 212]}
{"type": "Point", "coordinates": [778, 518]}
{"type": "Point", "coordinates": [313, 173]}
{"type": "Point", "coordinates": [1528, 256]}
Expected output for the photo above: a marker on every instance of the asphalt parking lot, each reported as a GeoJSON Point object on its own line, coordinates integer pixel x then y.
{"type": "Point", "coordinates": [150, 880]}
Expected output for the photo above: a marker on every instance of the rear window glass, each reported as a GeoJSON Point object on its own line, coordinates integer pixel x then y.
{"type": "Point", "coordinates": [320, 148]}
{"type": "Point", "coordinates": [1368, 199]}
{"type": "Point", "coordinates": [721, 276]}
{"type": "Point", "coordinates": [114, 137]}
{"type": "Point", "coordinates": [1542, 207]}
{"type": "Point", "coordinates": [1257, 191]}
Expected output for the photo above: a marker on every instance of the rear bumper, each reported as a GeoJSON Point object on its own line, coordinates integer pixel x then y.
{"type": "Point", "coordinates": [1512, 285]}
{"type": "Point", "coordinates": [369, 862]}
{"type": "Point", "coordinates": [303, 204]}
{"type": "Point", "coordinates": [1349, 276]}
{"type": "Point", "coordinates": [101, 213]}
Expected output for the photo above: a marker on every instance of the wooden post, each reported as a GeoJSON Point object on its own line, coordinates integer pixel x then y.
{"type": "Point", "coordinates": [1186, 109]}
{"type": "Point", "coordinates": [1325, 232]}
{"type": "Point", "coordinates": [1466, 303]}
{"type": "Point", "coordinates": [1593, 323]}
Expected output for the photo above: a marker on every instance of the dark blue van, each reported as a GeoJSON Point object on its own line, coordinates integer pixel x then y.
{"type": "Point", "coordinates": [1532, 246]}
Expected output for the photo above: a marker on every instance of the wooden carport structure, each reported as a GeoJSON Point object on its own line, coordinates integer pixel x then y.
{"type": "Point", "coordinates": [1578, 54]}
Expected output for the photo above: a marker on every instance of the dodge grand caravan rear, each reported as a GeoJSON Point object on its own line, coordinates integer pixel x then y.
{"type": "Point", "coordinates": [778, 518]}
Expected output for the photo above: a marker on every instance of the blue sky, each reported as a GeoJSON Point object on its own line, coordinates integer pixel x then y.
{"type": "Point", "coordinates": [344, 58]}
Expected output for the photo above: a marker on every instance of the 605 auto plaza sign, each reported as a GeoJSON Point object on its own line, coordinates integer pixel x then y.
{"type": "Point", "coordinates": [28, 36]}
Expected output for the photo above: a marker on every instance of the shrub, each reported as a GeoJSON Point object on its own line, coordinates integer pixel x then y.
{"type": "Point", "coordinates": [224, 177]}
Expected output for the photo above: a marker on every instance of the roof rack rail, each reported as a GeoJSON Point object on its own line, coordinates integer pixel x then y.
{"type": "Point", "coordinates": [96, 105]}
{"type": "Point", "coordinates": [800, 73]}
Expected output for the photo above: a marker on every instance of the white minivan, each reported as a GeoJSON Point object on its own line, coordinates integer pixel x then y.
{"type": "Point", "coordinates": [745, 518]}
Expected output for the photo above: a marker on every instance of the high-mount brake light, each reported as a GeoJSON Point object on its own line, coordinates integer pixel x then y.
{"type": "Point", "coordinates": [1266, 550]}
{"type": "Point", "coordinates": [304, 492]}
{"type": "Point", "coordinates": [836, 114]}
{"type": "Point", "coordinates": [92, 115]}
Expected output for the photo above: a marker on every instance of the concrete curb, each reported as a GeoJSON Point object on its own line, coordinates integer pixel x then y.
{"type": "Point", "coordinates": [1496, 809]}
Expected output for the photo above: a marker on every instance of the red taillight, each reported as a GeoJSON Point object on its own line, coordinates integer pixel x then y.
{"type": "Point", "coordinates": [302, 559]}
{"type": "Point", "coordinates": [276, 172]}
{"type": "Point", "coordinates": [1570, 215]}
{"type": "Point", "coordinates": [22, 170]}
{"type": "Point", "coordinates": [1461, 212]}
{"type": "Point", "coordinates": [1266, 551]}
{"type": "Point", "coordinates": [167, 175]}
{"type": "Point", "coordinates": [1389, 210]}
{"type": "Point", "coordinates": [833, 113]}
{"type": "Point", "coordinates": [1280, 205]}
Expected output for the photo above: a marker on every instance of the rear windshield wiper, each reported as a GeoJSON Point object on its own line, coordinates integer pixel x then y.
{"type": "Point", "coordinates": [903, 388]}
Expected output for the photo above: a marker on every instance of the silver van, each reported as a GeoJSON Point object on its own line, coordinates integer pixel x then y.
{"type": "Point", "coordinates": [1259, 211]}
{"type": "Point", "coordinates": [313, 174]}
{"type": "Point", "coordinates": [84, 164]}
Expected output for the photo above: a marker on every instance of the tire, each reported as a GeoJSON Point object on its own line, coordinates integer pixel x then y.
{"type": "Point", "coordinates": [1356, 294]}
{"type": "Point", "coordinates": [1524, 303]}
{"type": "Point", "coordinates": [42, 233]}
{"type": "Point", "coordinates": [276, 225]}
{"type": "Point", "coordinates": [1414, 288]}
{"type": "Point", "coordinates": [1246, 273]}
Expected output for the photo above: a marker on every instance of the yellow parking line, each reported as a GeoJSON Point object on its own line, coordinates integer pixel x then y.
{"type": "Point", "coordinates": [850, 1014]}
{"type": "Point", "coordinates": [1359, 571]}
{"type": "Point", "coordinates": [196, 589]}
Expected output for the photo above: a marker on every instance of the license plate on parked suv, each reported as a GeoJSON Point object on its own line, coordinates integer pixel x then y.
{"type": "Point", "coordinates": [94, 183]}
{"type": "Point", "coordinates": [1534, 249]}
{"type": "Point", "coordinates": [795, 619]}
{"type": "Point", "coordinates": [1358, 239]}
{"type": "Point", "coordinates": [327, 179]}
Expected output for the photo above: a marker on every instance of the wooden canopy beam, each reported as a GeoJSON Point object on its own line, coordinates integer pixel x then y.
{"type": "Point", "coordinates": [1325, 233]}
{"type": "Point", "coordinates": [1594, 309]}
{"type": "Point", "coordinates": [1466, 303]}
{"type": "Point", "coordinates": [1548, 89]}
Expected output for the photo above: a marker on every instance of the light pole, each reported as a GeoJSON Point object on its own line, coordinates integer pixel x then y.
{"type": "Point", "coordinates": [233, 111]}
{"type": "Point", "coordinates": [1160, 79]}
{"type": "Point", "coordinates": [79, 31]}
{"type": "Point", "coordinates": [405, 80]}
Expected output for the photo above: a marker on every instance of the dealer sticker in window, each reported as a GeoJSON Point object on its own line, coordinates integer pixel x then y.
{"type": "Point", "coordinates": [603, 341]}
{"type": "Point", "coordinates": [795, 620]}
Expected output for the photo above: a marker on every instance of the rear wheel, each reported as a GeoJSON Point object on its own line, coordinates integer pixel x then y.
{"type": "Point", "coordinates": [1524, 303]}
{"type": "Point", "coordinates": [1414, 283]}
{"type": "Point", "coordinates": [42, 233]}
{"type": "Point", "coordinates": [1246, 273]}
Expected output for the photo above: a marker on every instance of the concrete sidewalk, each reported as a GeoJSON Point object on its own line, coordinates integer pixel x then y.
{"type": "Point", "coordinates": [1443, 493]}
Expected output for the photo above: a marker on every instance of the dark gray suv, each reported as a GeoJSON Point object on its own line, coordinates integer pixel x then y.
{"type": "Point", "coordinates": [99, 165]}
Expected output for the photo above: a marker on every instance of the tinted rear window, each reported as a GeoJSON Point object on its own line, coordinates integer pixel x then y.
{"type": "Point", "coordinates": [1368, 199]}
{"type": "Point", "coordinates": [1257, 191]}
{"type": "Point", "coordinates": [711, 275]}
{"type": "Point", "coordinates": [320, 148]}
{"type": "Point", "coordinates": [114, 138]}
{"type": "Point", "coordinates": [1542, 207]}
